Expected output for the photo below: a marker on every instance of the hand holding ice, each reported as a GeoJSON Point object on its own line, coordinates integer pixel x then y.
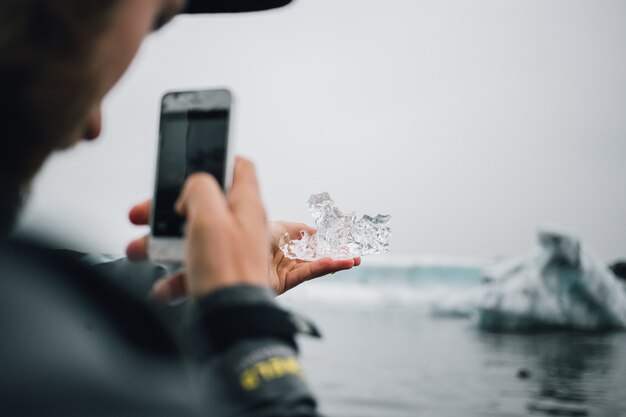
{"type": "Point", "coordinates": [339, 236]}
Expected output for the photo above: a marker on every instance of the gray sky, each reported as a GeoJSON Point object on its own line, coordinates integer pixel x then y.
{"type": "Point", "coordinates": [470, 122]}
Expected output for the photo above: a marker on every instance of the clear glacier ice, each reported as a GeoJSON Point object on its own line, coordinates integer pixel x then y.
{"type": "Point", "coordinates": [339, 236]}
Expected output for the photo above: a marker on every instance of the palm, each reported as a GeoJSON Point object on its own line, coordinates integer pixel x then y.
{"type": "Point", "coordinates": [286, 273]}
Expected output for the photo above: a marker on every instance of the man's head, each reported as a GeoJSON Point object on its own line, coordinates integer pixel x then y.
{"type": "Point", "coordinates": [58, 59]}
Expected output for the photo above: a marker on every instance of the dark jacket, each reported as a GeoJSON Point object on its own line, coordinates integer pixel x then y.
{"type": "Point", "coordinates": [76, 342]}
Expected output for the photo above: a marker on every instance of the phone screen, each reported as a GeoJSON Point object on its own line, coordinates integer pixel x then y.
{"type": "Point", "coordinates": [191, 140]}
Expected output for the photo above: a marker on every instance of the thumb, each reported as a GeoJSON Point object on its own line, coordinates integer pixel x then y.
{"type": "Point", "coordinates": [202, 196]}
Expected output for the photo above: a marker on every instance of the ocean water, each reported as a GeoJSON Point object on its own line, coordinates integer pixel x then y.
{"type": "Point", "coordinates": [387, 351]}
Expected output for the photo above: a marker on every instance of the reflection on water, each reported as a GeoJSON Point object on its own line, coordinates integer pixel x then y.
{"type": "Point", "coordinates": [390, 362]}
{"type": "Point", "coordinates": [568, 373]}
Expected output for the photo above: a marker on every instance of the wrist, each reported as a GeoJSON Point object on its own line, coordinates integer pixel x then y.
{"type": "Point", "coordinates": [200, 289]}
{"type": "Point", "coordinates": [234, 314]}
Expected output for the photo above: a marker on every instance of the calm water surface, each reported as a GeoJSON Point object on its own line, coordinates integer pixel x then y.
{"type": "Point", "coordinates": [397, 361]}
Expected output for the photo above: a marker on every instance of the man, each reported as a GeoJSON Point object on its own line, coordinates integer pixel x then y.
{"type": "Point", "coordinates": [78, 343]}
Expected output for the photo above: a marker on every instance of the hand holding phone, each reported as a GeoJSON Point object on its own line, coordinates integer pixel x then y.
{"type": "Point", "coordinates": [226, 238]}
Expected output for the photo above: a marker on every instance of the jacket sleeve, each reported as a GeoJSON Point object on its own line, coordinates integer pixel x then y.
{"type": "Point", "coordinates": [244, 357]}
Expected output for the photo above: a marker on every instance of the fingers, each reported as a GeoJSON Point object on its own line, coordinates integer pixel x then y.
{"type": "Point", "coordinates": [294, 229]}
{"type": "Point", "coordinates": [202, 198]}
{"type": "Point", "coordinates": [282, 231]}
{"type": "Point", "coordinates": [169, 289]}
{"type": "Point", "coordinates": [309, 229]}
{"type": "Point", "coordinates": [137, 250]}
{"type": "Point", "coordinates": [310, 270]}
{"type": "Point", "coordinates": [244, 197]}
{"type": "Point", "coordinates": [140, 213]}
{"type": "Point", "coordinates": [327, 266]}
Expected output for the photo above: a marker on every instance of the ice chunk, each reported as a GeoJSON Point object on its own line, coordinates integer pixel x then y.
{"type": "Point", "coordinates": [339, 236]}
{"type": "Point", "coordinates": [562, 284]}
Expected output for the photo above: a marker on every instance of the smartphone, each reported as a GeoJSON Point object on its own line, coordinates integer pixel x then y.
{"type": "Point", "coordinates": [194, 136]}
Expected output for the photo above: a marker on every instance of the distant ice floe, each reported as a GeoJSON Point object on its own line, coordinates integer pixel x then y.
{"type": "Point", "coordinates": [560, 285]}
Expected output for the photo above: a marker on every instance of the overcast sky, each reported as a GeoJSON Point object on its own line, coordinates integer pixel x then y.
{"type": "Point", "coordinates": [471, 122]}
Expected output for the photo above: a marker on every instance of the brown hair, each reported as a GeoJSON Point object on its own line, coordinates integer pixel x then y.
{"type": "Point", "coordinates": [45, 82]}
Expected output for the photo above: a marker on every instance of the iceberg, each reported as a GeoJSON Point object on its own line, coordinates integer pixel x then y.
{"type": "Point", "coordinates": [339, 236]}
{"type": "Point", "coordinates": [560, 285]}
